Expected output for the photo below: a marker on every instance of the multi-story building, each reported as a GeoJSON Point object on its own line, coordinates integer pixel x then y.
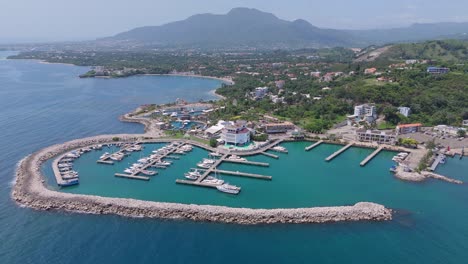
{"type": "Point", "coordinates": [437, 70]}
{"type": "Point", "coordinates": [259, 93]}
{"type": "Point", "coordinates": [365, 112]}
{"type": "Point", "coordinates": [236, 133]}
{"type": "Point", "coordinates": [408, 128]}
{"type": "Point", "coordinates": [406, 111]}
{"type": "Point", "coordinates": [377, 136]}
{"type": "Point", "coordinates": [279, 127]}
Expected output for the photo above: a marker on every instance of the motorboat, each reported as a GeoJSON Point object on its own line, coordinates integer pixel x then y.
{"type": "Point", "coordinates": [236, 158]}
{"type": "Point", "coordinates": [227, 188]}
{"type": "Point", "coordinates": [69, 182]}
{"type": "Point", "coordinates": [105, 155]}
{"type": "Point", "coordinates": [148, 172]}
{"type": "Point", "coordinates": [204, 165]}
{"type": "Point", "coordinates": [215, 154]}
{"type": "Point", "coordinates": [280, 149]}
{"type": "Point", "coordinates": [212, 180]}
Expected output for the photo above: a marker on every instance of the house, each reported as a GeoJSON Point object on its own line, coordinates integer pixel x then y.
{"type": "Point", "coordinates": [259, 93]}
{"type": "Point", "coordinates": [326, 88]}
{"type": "Point", "coordinates": [284, 127]}
{"type": "Point", "coordinates": [365, 112]}
{"type": "Point", "coordinates": [370, 71]}
{"type": "Point", "coordinates": [448, 130]}
{"type": "Point", "coordinates": [408, 128]}
{"type": "Point", "coordinates": [411, 61]}
{"type": "Point", "coordinates": [236, 133]}
{"type": "Point", "coordinates": [377, 136]}
{"type": "Point", "coordinates": [406, 111]}
{"type": "Point", "coordinates": [160, 125]}
{"type": "Point", "coordinates": [315, 74]}
{"type": "Point", "coordinates": [437, 70]}
{"type": "Point", "coordinates": [465, 123]}
{"type": "Point", "coordinates": [328, 77]}
{"type": "Point", "coordinates": [280, 84]}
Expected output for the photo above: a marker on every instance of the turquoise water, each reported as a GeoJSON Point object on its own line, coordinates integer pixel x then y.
{"type": "Point", "coordinates": [46, 104]}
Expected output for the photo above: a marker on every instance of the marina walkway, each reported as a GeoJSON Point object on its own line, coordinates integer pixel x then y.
{"type": "Point", "coordinates": [371, 156]}
{"type": "Point", "coordinates": [343, 149]}
{"type": "Point", "coordinates": [313, 145]}
{"type": "Point", "coordinates": [436, 162]}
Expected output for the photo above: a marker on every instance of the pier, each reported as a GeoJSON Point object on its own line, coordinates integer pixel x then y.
{"type": "Point", "coordinates": [148, 165]}
{"type": "Point", "coordinates": [371, 156]}
{"type": "Point", "coordinates": [343, 149]}
{"type": "Point", "coordinates": [135, 177]}
{"type": "Point", "coordinates": [270, 155]}
{"type": "Point", "coordinates": [313, 145]}
{"type": "Point", "coordinates": [436, 162]}
{"type": "Point", "coordinates": [254, 163]}
{"type": "Point", "coordinates": [243, 174]}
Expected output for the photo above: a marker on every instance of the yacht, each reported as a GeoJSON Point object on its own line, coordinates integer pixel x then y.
{"type": "Point", "coordinates": [204, 165]}
{"type": "Point", "coordinates": [215, 154]}
{"type": "Point", "coordinates": [69, 182]}
{"type": "Point", "coordinates": [209, 161]}
{"type": "Point", "coordinates": [129, 171]}
{"type": "Point", "coordinates": [443, 160]}
{"type": "Point", "coordinates": [280, 149]}
{"type": "Point", "coordinates": [174, 114]}
{"type": "Point", "coordinates": [117, 157]}
{"type": "Point", "coordinates": [191, 176]}
{"type": "Point", "coordinates": [143, 160]}
{"type": "Point", "coordinates": [148, 172]}
{"type": "Point", "coordinates": [105, 155]}
{"type": "Point", "coordinates": [213, 180]}
{"type": "Point", "coordinates": [236, 158]}
{"type": "Point", "coordinates": [227, 188]}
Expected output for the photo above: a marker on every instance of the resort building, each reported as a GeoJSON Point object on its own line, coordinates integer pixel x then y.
{"type": "Point", "coordinates": [215, 130]}
{"type": "Point", "coordinates": [370, 71]}
{"type": "Point", "coordinates": [365, 112]}
{"type": "Point", "coordinates": [406, 111]}
{"type": "Point", "coordinates": [259, 93]}
{"type": "Point", "coordinates": [465, 123]}
{"type": "Point", "coordinates": [377, 136]}
{"type": "Point", "coordinates": [437, 70]}
{"type": "Point", "coordinates": [236, 133]}
{"type": "Point", "coordinates": [448, 130]}
{"type": "Point", "coordinates": [408, 128]}
{"type": "Point", "coordinates": [284, 127]}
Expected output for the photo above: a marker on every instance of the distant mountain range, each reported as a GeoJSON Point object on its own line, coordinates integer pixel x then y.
{"type": "Point", "coordinates": [244, 27]}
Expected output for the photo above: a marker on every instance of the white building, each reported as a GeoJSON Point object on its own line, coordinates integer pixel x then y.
{"type": "Point", "coordinates": [365, 112]}
{"type": "Point", "coordinates": [236, 133]}
{"type": "Point", "coordinates": [448, 130]}
{"type": "Point", "coordinates": [259, 93]}
{"type": "Point", "coordinates": [406, 111]}
{"type": "Point", "coordinates": [465, 123]}
{"type": "Point", "coordinates": [375, 136]}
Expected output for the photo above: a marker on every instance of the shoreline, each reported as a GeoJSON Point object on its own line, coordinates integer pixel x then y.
{"type": "Point", "coordinates": [30, 190]}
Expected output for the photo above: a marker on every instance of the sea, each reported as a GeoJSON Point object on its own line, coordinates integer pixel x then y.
{"type": "Point", "coordinates": [44, 104]}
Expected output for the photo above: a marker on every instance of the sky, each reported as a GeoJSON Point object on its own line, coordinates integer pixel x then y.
{"type": "Point", "coordinates": [62, 20]}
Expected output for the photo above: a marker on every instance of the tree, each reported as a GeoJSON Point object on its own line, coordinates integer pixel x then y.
{"type": "Point", "coordinates": [461, 133]}
{"type": "Point", "coordinates": [213, 142]}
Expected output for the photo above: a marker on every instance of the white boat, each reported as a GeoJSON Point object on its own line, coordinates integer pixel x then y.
{"type": "Point", "coordinates": [117, 157]}
{"type": "Point", "coordinates": [236, 158]}
{"type": "Point", "coordinates": [227, 188]}
{"type": "Point", "coordinates": [174, 114]}
{"type": "Point", "coordinates": [148, 172]}
{"type": "Point", "coordinates": [105, 155]}
{"type": "Point", "coordinates": [215, 154]}
{"type": "Point", "coordinates": [443, 160]}
{"type": "Point", "coordinates": [204, 165]}
{"type": "Point", "coordinates": [280, 149]}
{"type": "Point", "coordinates": [209, 161]}
{"type": "Point", "coordinates": [213, 180]}
{"type": "Point", "coordinates": [191, 176]}
{"type": "Point", "coordinates": [129, 171]}
{"type": "Point", "coordinates": [143, 160]}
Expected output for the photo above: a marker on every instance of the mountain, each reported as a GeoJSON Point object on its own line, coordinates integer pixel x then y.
{"type": "Point", "coordinates": [413, 33]}
{"type": "Point", "coordinates": [241, 26]}
{"type": "Point", "coordinates": [244, 27]}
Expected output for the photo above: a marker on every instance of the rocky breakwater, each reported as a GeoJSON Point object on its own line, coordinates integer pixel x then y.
{"type": "Point", "coordinates": [422, 176]}
{"type": "Point", "coordinates": [31, 191]}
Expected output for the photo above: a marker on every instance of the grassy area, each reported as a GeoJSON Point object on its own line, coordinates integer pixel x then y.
{"type": "Point", "coordinates": [181, 135]}
{"type": "Point", "coordinates": [385, 125]}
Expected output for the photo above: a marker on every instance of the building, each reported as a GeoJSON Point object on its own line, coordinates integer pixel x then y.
{"type": "Point", "coordinates": [365, 112]}
{"type": "Point", "coordinates": [315, 74]}
{"type": "Point", "coordinates": [437, 70]}
{"type": "Point", "coordinates": [448, 130]}
{"type": "Point", "coordinates": [259, 93]}
{"type": "Point", "coordinates": [236, 133]}
{"type": "Point", "coordinates": [160, 125]}
{"type": "Point", "coordinates": [370, 71]}
{"type": "Point", "coordinates": [411, 61]}
{"type": "Point", "coordinates": [408, 128]}
{"type": "Point", "coordinates": [280, 84]}
{"type": "Point", "coordinates": [377, 136]}
{"type": "Point", "coordinates": [465, 123]}
{"type": "Point", "coordinates": [406, 111]}
{"type": "Point", "coordinates": [284, 127]}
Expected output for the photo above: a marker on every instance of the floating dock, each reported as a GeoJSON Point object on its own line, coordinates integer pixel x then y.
{"type": "Point", "coordinates": [108, 162]}
{"type": "Point", "coordinates": [135, 177]}
{"type": "Point", "coordinates": [243, 174]}
{"type": "Point", "coordinates": [270, 155]}
{"type": "Point", "coordinates": [371, 156]}
{"type": "Point", "coordinates": [202, 184]}
{"type": "Point", "coordinates": [436, 162]}
{"type": "Point", "coordinates": [254, 163]}
{"type": "Point", "coordinates": [313, 145]}
{"type": "Point", "coordinates": [343, 149]}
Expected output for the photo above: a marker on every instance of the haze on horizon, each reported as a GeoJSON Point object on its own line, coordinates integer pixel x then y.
{"type": "Point", "coordinates": [62, 20]}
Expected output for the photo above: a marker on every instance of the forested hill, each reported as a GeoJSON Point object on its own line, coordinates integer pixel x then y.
{"type": "Point", "coordinates": [440, 50]}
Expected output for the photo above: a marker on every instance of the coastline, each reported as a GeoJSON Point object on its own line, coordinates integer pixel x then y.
{"type": "Point", "coordinates": [224, 80]}
{"type": "Point", "coordinates": [30, 190]}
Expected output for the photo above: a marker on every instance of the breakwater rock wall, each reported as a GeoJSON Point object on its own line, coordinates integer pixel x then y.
{"type": "Point", "coordinates": [31, 191]}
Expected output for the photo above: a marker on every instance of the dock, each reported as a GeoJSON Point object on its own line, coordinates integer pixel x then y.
{"type": "Point", "coordinates": [343, 149]}
{"type": "Point", "coordinates": [135, 177]}
{"type": "Point", "coordinates": [313, 145]}
{"type": "Point", "coordinates": [270, 155]}
{"type": "Point", "coordinates": [103, 161]}
{"type": "Point", "coordinates": [254, 163]}
{"type": "Point", "coordinates": [436, 162]}
{"type": "Point", "coordinates": [243, 174]}
{"type": "Point", "coordinates": [202, 184]}
{"type": "Point", "coordinates": [371, 156]}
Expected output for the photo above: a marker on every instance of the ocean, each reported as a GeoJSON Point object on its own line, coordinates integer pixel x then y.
{"type": "Point", "coordinates": [45, 104]}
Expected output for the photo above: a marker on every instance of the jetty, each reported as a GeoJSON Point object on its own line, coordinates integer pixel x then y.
{"type": "Point", "coordinates": [269, 155]}
{"type": "Point", "coordinates": [246, 162]}
{"type": "Point", "coordinates": [314, 145]}
{"type": "Point", "coordinates": [436, 162]}
{"type": "Point", "coordinates": [343, 149]}
{"type": "Point", "coordinates": [243, 174]}
{"type": "Point", "coordinates": [371, 156]}
{"type": "Point", "coordinates": [135, 177]}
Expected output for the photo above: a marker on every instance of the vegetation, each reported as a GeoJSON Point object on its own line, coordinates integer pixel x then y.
{"type": "Point", "coordinates": [213, 142]}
